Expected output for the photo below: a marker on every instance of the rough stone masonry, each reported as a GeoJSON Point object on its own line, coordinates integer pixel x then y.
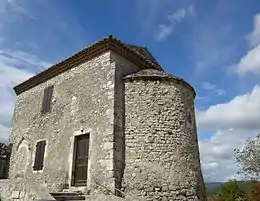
{"type": "Point", "coordinates": [139, 120]}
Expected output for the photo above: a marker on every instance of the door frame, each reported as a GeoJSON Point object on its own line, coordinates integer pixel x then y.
{"type": "Point", "coordinates": [72, 155]}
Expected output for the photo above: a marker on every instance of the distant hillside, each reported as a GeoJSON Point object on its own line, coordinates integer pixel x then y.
{"type": "Point", "coordinates": [213, 187]}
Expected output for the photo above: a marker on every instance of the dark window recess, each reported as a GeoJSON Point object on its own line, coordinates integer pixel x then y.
{"type": "Point", "coordinates": [189, 118]}
{"type": "Point", "coordinates": [39, 155]}
{"type": "Point", "coordinates": [47, 97]}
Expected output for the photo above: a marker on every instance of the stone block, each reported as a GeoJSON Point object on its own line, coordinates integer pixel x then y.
{"type": "Point", "coordinates": [15, 194]}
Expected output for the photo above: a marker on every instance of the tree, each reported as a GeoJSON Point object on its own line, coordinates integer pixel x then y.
{"type": "Point", "coordinates": [248, 158]}
{"type": "Point", "coordinates": [230, 191]}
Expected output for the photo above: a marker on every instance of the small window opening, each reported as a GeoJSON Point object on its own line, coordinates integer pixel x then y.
{"type": "Point", "coordinates": [189, 118]}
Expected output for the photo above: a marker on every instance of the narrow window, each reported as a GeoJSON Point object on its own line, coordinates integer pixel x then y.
{"type": "Point", "coordinates": [189, 118]}
{"type": "Point", "coordinates": [39, 155]}
{"type": "Point", "coordinates": [47, 97]}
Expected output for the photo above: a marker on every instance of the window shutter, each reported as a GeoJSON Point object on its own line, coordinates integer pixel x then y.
{"type": "Point", "coordinates": [44, 101]}
{"type": "Point", "coordinates": [39, 155]}
{"type": "Point", "coordinates": [47, 97]}
{"type": "Point", "coordinates": [36, 159]}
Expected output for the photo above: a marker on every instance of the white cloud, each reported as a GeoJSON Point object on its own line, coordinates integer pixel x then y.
{"type": "Point", "coordinates": [9, 7]}
{"type": "Point", "coordinates": [163, 32]}
{"type": "Point", "coordinates": [214, 88]}
{"type": "Point", "coordinates": [240, 112]}
{"type": "Point", "coordinates": [254, 37]}
{"type": "Point", "coordinates": [250, 63]}
{"type": "Point", "coordinates": [17, 57]}
{"type": "Point", "coordinates": [231, 123]}
{"type": "Point", "coordinates": [208, 86]}
{"type": "Point", "coordinates": [10, 75]}
{"type": "Point", "coordinates": [177, 17]}
{"type": "Point", "coordinates": [217, 154]}
{"type": "Point", "coordinates": [12, 72]}
{"type": "Point", "coordinates": [220, 92]}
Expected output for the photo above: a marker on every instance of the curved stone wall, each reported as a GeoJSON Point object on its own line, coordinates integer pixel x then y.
{"type": "Point", "coordinates": [161, 154]}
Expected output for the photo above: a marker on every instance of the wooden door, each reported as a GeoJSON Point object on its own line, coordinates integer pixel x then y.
{"type": "Point", "coordinates": [81, 149]}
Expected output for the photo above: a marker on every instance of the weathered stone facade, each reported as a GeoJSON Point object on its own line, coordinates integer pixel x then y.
{"type": "Point", "coordinates": [23, 190]}
{"type": "Point", "coordinates": [162, 159]}
{"type": "Point", "coordinates": [83, 99]}
{"type": "Point", "coordinates": [141, 124]}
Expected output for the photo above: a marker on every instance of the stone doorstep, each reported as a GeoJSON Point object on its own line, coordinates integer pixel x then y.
{"type": "Point", "coordinates": [67, 196]}
{"type": "Point", "coordinates": [75, 189]}
{"type": "Point", "coordinates": [43, 200]}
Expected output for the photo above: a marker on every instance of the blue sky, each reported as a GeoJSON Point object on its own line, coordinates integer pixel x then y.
{"type": "Point", "coordinates": [214, 45]}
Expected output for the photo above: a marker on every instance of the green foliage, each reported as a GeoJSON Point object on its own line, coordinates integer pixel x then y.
{"type": "Point", "coordinates": [248, 191]}
{"type": "Point", "coordinates": [230, 191]}
{"type": "Point", "coordinates": [213, 187]}
{"type": "Point", "coordinates": [249, 158]}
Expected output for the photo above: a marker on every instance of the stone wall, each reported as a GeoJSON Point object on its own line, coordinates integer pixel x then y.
{"type": "Point", "coordinates": [23, 190]}
{"type": "Point", "coordinates": [83, 102]}
{"type": "Point", "coordinates": [122, 68]}
{"type": "Point", "coordinates": [162, 157]}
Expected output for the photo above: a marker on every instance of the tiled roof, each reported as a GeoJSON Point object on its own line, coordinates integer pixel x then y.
{"type": "Point", "coordinates": [143, 51]}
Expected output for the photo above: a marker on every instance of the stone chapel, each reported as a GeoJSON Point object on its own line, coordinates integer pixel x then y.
{"type": "Point", "coordinates": [108, 119]}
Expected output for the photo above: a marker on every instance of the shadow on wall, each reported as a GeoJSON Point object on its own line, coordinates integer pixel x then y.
{"type": "Point", "coordinates": [5, 152]}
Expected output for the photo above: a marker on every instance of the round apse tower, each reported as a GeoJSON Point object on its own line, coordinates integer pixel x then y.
{"type": "Point", "coordinates": [161, 147]}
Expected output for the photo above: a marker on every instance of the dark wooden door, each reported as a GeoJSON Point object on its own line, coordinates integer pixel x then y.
{"type": "Point", "coordinates": [81, 149]}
